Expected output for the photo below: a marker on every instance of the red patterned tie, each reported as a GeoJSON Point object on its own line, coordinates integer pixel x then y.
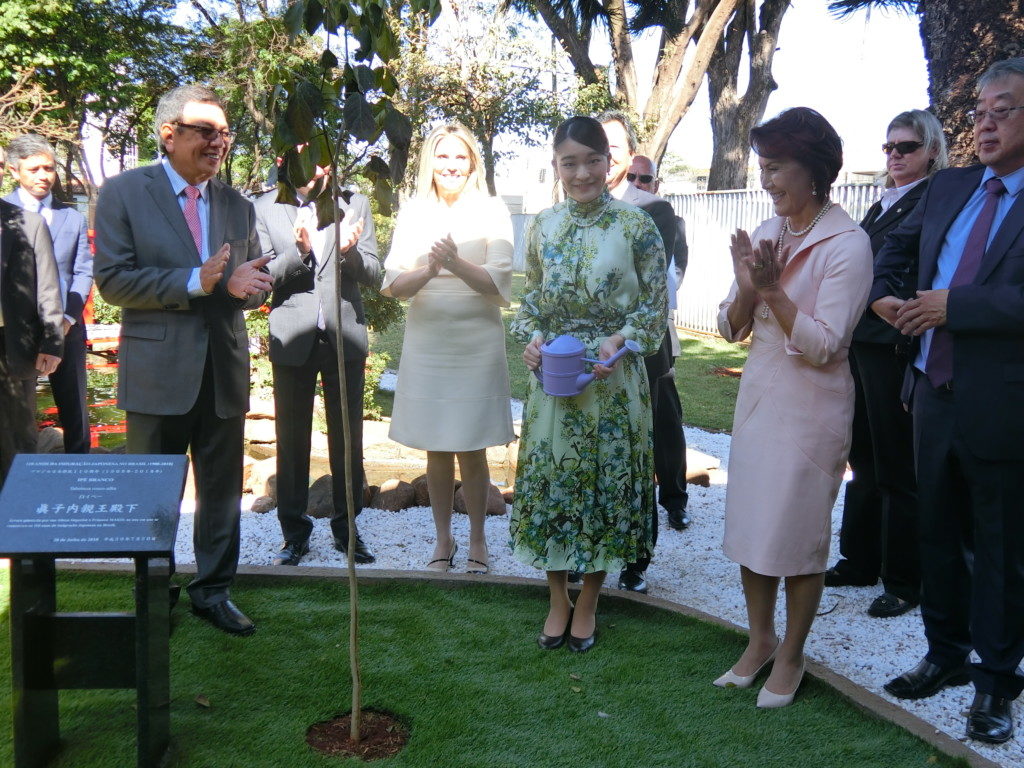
{"type": "Point", "coordinates": [940, 354]}
{"type": "Point", "coordinates": [192, 217]}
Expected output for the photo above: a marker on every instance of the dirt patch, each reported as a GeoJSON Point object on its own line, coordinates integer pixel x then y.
{"type": "Point", "coordinates": [723, 371]}
{"type": "Point", "coordinates": [381, 735]}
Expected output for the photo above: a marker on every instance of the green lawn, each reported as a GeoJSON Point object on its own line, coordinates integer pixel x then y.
{"type": "Point", "coordinates": [708, 399]}
{"type": "Point", "coordinates": [460, 666]}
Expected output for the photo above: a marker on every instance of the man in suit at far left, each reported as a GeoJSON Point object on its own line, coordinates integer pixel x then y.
{"type": "Point", "coordinates": [177, 249]}
{"type": "Point", "coordinates": [32, 161]}
{"type": "Point", "coordinates": [30, 325]}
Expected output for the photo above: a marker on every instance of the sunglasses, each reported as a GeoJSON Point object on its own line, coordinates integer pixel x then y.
{"type": "Point", "coordinates": [903, 147]}
{"type": "Point", "coordinates": [207, 132]}
{"type": "Point", "coordinates": [645, 178]}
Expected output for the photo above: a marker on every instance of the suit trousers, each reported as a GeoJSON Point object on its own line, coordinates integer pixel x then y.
{"type": "Point", "coordinates": [669, 442]}
{"type": "Point", "coordinates": [972, 548]}
{"type": "Point", "coordinates": [294, 388]}
{"type": "Point", "coordinates": [879, 530]}
{"type": "Point", "coordinates": [18, 430]}
{"type": "Point", "coordinates": [68, 386]}
{"type": "Point", "coordinates": [216, 448]}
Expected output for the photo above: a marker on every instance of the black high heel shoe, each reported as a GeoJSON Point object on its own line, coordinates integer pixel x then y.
{"type": "Point", "coordinates": [553, 642]}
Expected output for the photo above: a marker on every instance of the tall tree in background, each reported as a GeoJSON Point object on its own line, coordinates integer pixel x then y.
{"type": "Point", "coordinates": [734, 114]}
{"type": "Point", "coordinates": [485, 73]}
{"type": "Point", "coordinates": [960, 42]}
{"type": "Point", "coordinates": [690, 34]}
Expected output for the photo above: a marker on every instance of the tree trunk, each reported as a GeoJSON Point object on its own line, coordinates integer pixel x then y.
{"type": "Point", "coordinates": [732, 115]}
{"type": "Point", "coordinates": [487, 150]}
{"type": "Point", "coordinates": [961, 39]}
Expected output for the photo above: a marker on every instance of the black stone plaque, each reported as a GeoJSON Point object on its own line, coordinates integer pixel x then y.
{"type": "Point", "coordinates": [91, 505]}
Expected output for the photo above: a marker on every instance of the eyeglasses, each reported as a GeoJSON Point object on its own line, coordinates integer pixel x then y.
{"type": "Point", "coordinates": [996, 113]}
{"type": "Point", "coordinates": [903, 147]}
{"type": "Point", "coordinates": [645, 178]}
{"type": "Point", "coordinates": [206, 132]}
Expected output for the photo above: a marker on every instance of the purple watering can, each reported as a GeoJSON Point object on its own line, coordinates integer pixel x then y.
{"type": "Point", "coordinates": [561, 369]}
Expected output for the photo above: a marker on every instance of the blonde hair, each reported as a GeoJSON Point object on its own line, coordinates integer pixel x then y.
{"type": "Point", "coordinates": [425, 179]}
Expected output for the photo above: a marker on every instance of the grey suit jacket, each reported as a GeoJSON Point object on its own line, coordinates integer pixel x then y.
{"type": "Point", "coordinates": [69, 231]}
{"type": "Point", "coordinates": [144, 257]}
{"type": "Point", "coordinates": [300, 289]}
{"type": "Point", "coordinates": [29, 291]}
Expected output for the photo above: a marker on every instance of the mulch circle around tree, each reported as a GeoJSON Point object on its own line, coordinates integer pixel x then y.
{"type": "Point", "coordinates": [381, 735]}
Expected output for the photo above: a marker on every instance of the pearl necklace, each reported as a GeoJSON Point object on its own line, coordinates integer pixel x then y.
{"type": "Point", "coordinates": [795, 233]}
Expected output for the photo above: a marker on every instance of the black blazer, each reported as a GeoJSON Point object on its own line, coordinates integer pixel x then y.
{"type": "Point", "coordinates": [986, 318]}
{"type": "Point", "coordinates": [29, 290]}
{"type": "Point", "coordinates": [871, 327]}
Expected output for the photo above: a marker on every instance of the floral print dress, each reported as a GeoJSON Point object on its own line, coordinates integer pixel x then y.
{"type": "Point", "coordinates": [585, 479]}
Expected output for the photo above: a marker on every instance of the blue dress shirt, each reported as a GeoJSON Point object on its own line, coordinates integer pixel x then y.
{"type": "Point", "coordinates": [956, 239]}
{"type": "Point", "coordinates": [178, 184]}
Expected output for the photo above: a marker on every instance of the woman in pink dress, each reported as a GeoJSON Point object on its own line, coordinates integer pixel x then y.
{"type": "Point", "coordinates": [802, 281]}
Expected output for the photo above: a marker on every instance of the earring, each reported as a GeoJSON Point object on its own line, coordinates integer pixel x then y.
{"type": "Point", "coordinates": [814, 190]}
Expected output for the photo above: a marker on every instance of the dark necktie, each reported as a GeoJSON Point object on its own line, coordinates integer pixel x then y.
{"type": "Point", "coordinates": [940, 355]}
{"type": "Point", "coordinates": [192, 217]}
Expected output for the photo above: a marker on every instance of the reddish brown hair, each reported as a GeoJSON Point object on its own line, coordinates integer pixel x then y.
{"type": "Point", "coordinates": [803, 135]}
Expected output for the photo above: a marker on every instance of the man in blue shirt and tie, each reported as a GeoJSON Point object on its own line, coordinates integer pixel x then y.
{"type": "Point", "coordinates": [32, 161]}
{"type": "Point", "coordinates": [965, 388]}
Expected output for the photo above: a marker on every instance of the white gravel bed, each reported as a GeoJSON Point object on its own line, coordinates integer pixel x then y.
{"type": "Point", "coordinates": [688, 568]}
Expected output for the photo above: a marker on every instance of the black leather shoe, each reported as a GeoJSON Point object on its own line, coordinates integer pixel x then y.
{"type": "Point", "coordinates": [173, 595]}
{"type": "Point", "coordinates": [926, 679]}
{"type": "Point", "coordinates": [633, 580]}
{"type": "Point", "coordinates": [887, 605]}
{"type": "Point", "coordinates": [581, 644]}
{"type": "Point", "coordinates": [226, 617]}
{"type": "Point", "coordinates": [551, 642]}
{"type": "Point", "coordinates": [291, 553]}
{"type": "Point", "coordinates": [840, 576]}
{"type": "Point", "coordinates": [990, 719]}
{"type": "Point", "coordinates": [678, 519]}
{"type": "Point", "coordinates": [363, 553]}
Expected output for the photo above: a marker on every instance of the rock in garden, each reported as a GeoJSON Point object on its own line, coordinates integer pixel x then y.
{"type": "Point", "coordinates": [263, 477]}
{"type": "Point", "coordinates": [260, 431]}
{"type": "Point", "coordinates": [422, 493]}
{"type": "Point", "coordinates": [508, 494]}
{"type": "Point", "coordinates": [394, 495]}
{"type": "Point", "coordinates": [263, 504]}
{"type": "Point", "coordinates": [495, 501]}
{"type": "Point", "coordinates": [321, 498]}
{"type": "Point", "coordinates": [50, 440]}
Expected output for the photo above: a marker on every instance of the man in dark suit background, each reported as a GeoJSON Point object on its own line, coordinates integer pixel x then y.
{"type": "Point", "coordinates": [622, 145]}
{"type": "Point", "coordinates": [32, 161]}
{"type": "Point", "coordinates": [303, 338]}
{"type": "Point", "coordinates": [966, 390]}
{"type": "Point", "coordinates": [31, 340]}
{"type": "Point", "coordinates": [178, 250]}
{"type": "Point", "coordinates": [669, 439]}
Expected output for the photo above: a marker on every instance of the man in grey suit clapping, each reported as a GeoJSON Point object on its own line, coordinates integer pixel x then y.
{"type": "Point", "coordinates": [303, 345]}
{"type": "Point", "coordinates": [178, 250]}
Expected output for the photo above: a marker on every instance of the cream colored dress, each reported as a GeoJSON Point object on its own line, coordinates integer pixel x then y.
{"type": "Point", "coordinates": [794, 412]}
{"type": "Point", "coordinates": [453, 390]}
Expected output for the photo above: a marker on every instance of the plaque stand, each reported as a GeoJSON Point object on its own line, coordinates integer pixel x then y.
{"type": "Point", "coordinates": [53, 651]}
{"type": "Point", "coordinates": [82, 507]}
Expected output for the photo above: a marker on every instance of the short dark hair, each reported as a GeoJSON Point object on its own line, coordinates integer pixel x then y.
{"type": "Point", "coordinates": [1001, 69]}
{"type": "Point", "coordinates": [28, 145]}
{"type": "Point", "coordinates": [172, 106]}
{"type": "Point", "coordinates": [803, 135]}
{"type": "Point", "coordinates": [620, 117]}
{"type": "Point", "coordinates": [586, 130]}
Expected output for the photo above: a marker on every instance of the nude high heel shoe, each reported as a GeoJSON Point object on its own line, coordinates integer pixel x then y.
{"type": "Point", "coordinates": [731, 680]}
{"type": "Point", "coordinates": [769, 700]}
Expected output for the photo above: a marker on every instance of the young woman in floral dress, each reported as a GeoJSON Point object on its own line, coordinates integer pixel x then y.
{"type": "Point", "coordinates": [585, 482]}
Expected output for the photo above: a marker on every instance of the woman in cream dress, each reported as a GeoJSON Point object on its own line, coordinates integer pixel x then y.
{"type": "Point", "coordinates": [451, 256]}
{"type": "Point", "coordinates": [802, 280]}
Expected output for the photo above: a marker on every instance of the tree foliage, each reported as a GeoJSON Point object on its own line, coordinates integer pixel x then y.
{"type": "Point", "coordinates": [105, 63]}
{"type": "Point", "coordinates": [487, 73]}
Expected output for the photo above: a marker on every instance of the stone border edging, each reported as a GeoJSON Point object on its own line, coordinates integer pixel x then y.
{"type": "Point", "coordinates": [863, 698]}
